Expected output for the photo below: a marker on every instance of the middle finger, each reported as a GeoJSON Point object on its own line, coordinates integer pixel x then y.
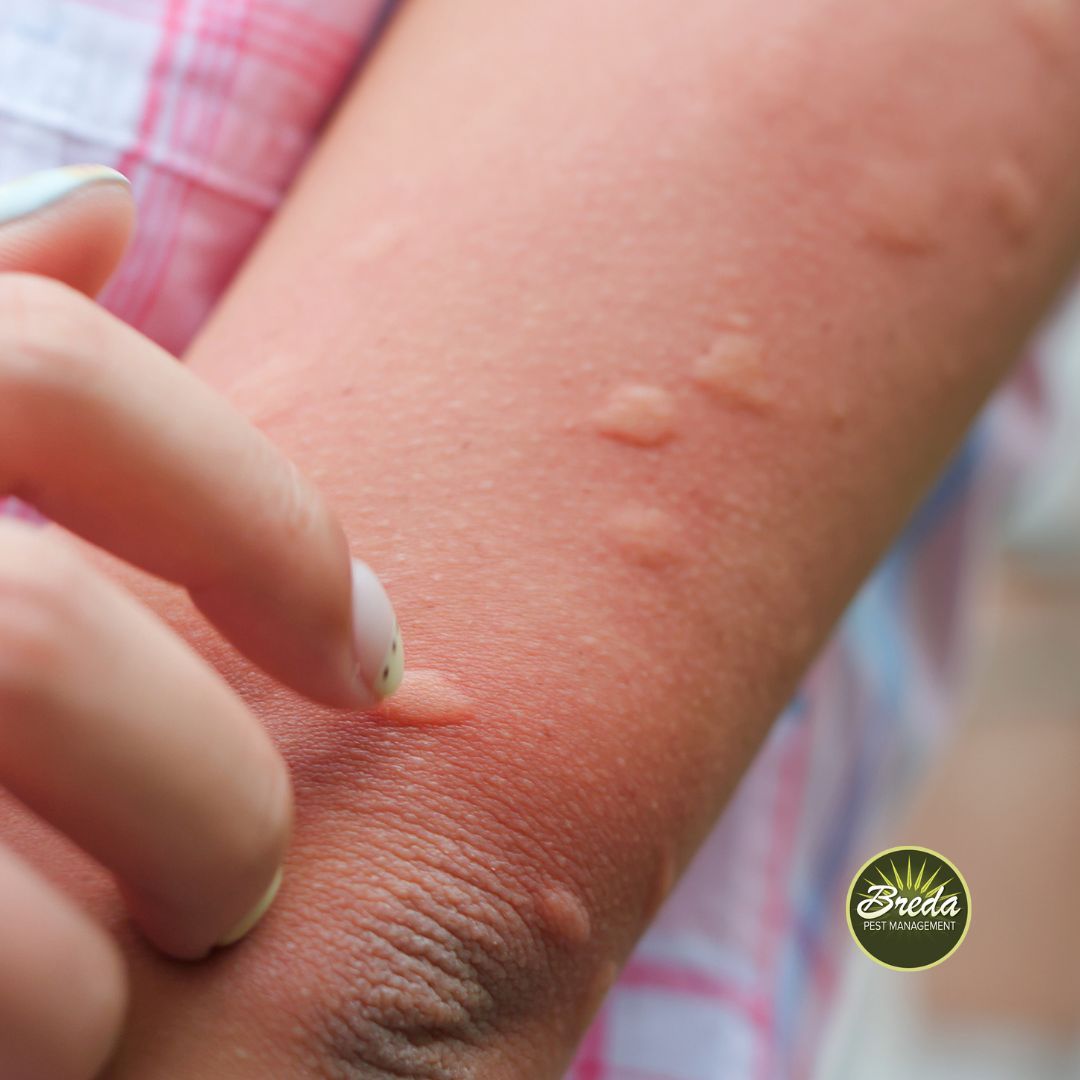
{"type": "Point", "coordinates": [118, 734]}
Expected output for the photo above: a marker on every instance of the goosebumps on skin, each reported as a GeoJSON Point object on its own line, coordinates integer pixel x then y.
{"type": "Point", "coordinates": [523, 208]}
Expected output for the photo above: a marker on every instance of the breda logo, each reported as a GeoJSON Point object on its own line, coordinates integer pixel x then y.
{"type": "Point", "coordinates": [909, 908]}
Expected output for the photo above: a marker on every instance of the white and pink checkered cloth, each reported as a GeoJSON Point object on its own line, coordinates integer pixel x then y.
{"type": "Point", "coordinates": [210, 106]}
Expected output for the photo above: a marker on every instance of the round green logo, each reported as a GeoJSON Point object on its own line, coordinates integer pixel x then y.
{"type": "Point", "coordinates": [909, 908]}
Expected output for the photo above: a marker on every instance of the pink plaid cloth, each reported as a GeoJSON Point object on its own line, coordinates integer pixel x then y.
{"type": "Point", "coordinates": [210, 106]}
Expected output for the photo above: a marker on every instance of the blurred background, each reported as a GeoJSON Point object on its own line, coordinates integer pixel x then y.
{"type": "Point", "coordinates": [1003, 803]}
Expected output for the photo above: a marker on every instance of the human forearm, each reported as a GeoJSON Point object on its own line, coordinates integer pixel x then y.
{"type": "Point", "coordinates": [485, 251]}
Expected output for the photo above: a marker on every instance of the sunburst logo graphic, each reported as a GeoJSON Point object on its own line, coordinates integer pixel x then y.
{"type": "Point", "coordinates": [909, 908]}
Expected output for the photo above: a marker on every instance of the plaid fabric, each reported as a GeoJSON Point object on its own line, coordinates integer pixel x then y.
{"type": "Point", "coordinates": [210, 106]}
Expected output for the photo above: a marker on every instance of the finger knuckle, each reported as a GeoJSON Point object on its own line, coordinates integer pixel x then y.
{"type": "Point", "coordinates": [48, 333]}
{"type": "Point", "coordinates": [42, 583]}
{"type": "Point", "coordinates": [300, 511]}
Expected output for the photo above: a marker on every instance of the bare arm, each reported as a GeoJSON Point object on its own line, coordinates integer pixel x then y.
{"type": "Point", "coordinates": [624, 339]}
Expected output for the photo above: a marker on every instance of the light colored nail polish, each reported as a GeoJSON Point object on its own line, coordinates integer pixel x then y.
{"type": "Point", "coordinates": [29, 194]}
{"type": "Point", "coordinates": [380, 655]}
{"type": "Point", "coordinates": [249, 922]}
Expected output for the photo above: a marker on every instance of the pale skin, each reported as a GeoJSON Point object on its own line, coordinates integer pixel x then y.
{"type": "Point", "coordinates": [111, 728]}
{"type": "Point", "coordinates": [521, 209]}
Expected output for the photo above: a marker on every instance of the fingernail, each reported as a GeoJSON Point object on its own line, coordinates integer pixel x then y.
{"type": "Point", "coordinates": [380, 655]}
{"type": "Point", "coordinates": [29, 194]}
{"type": "Point", "coordinates": [251, 920]}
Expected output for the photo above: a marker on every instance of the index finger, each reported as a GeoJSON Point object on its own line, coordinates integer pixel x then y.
{"type": "Point", "coordinates": [108, 435]}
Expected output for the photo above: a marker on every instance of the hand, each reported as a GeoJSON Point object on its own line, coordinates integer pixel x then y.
{"type": "Point", "coordinates": [111, 728]}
